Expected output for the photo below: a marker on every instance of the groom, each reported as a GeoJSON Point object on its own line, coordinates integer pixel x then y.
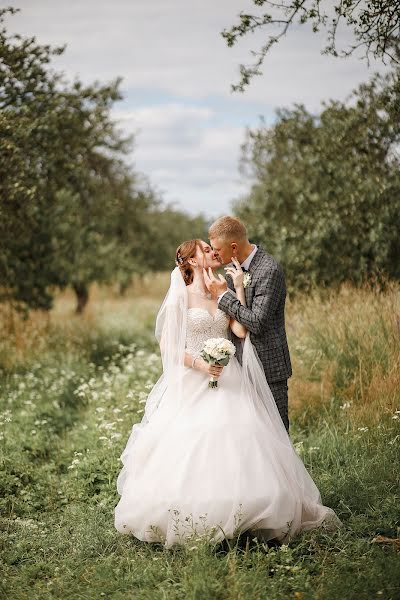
{"type": "Point", "coordinates": [265, 293]}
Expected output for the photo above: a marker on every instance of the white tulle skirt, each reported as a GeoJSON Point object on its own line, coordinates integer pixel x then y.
{"type": "Point", "coordinates": [216, 469]}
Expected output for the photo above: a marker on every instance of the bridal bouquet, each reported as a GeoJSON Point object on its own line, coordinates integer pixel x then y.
{"type": "Point", "coordinates": [217, 351]}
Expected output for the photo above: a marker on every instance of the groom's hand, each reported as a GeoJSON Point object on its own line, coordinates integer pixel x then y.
{"type": "Point", "coordinates": [215, 286]}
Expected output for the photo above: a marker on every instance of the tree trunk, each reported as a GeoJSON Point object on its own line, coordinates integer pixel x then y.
{"type": "Point", "coordinates": [123, 286]}
{"type": "Point", "coordinates": [82, 296]}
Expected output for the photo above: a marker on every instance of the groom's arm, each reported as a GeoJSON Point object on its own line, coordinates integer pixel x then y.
{"type": "Point", "coordinates": [267, 295]}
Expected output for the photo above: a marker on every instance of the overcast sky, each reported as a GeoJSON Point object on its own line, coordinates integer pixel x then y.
{"type": "Point", "coordinates": [177, 73]}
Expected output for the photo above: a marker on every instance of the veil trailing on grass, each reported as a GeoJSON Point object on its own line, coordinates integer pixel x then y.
{"type": "Point", "coordinates": [170, 332]}
{"type": "Point", "coordinates": [255, 388]}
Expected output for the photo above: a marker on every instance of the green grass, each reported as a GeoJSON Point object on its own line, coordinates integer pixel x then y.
{"type": "Point", "coordinates": [72, 388]}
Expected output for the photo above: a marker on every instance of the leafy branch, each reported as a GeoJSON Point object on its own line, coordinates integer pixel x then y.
{"type": "Point", "coordinates": [375, 25]}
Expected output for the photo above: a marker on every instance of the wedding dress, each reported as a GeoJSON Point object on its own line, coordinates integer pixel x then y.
{"type": "Point", "coordinates": [214, 462]}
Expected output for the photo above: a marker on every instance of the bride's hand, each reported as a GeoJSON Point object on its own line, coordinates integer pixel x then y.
{"type": "Point", "coordinates": [237, 273]}
{"type": "Point", "coordinates": [205, 367]}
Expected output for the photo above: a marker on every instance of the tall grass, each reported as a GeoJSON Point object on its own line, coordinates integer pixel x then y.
{"type": "Point", "coordinates": [71, 387]}
{"type": "Point", "coordinates": [346, 351]}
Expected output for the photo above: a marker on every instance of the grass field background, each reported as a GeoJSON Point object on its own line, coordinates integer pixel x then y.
{"type": "Point", "coordinates": [71, 388]}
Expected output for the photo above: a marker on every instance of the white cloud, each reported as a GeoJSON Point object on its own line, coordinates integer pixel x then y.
{"type": "Point", "coordinates": [186, 154]}
{"type": "Point", "coordinates": [177, 73]}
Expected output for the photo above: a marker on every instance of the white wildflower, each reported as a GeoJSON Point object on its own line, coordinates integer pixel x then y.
{"type": "Point", "coordinates": [345, 405]}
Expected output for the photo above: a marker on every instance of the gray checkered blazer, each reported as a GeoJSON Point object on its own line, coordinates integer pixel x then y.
{"type": "Point", "coordinates": [264, 315]}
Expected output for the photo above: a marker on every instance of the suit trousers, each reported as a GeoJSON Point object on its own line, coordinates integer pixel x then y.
{"type": "Point", "coordinates": [279, 391]}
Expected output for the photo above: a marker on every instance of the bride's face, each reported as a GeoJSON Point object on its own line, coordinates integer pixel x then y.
{"type": "Point", "coordinates": [209, 259]}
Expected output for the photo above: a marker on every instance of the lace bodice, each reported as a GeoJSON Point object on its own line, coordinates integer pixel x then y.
{"type": "Point", "coordinates": [201, 326]}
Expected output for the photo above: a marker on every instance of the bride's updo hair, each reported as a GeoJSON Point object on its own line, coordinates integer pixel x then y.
{"type": "Point", "coordinates": [185, 251]}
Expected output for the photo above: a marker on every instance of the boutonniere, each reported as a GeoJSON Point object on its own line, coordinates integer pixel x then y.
{"type": "Point", "coordinates": [246, 280]}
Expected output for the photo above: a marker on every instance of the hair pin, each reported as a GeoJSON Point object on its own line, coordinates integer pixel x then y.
{"type": "Point", "coordinates": [179, 260]}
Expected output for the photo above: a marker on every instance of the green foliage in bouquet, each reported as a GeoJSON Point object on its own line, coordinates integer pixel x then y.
{"type": "Point", "coordinates": [217, 351]}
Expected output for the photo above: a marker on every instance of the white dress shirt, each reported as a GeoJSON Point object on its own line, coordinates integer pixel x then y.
{"type": "Point", "coordinates": [245, 265]}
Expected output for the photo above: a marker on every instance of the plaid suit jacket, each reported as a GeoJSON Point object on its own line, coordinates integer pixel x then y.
{"type": "Point", "coordinates": [264, 315]}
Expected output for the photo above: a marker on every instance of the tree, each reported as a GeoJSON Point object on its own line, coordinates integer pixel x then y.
{"type": "Point", "coordinates": [64, 184]}
{"type": "Point", "coordinates": [71, 209]}
{"type": "Point", "coordinates": [176, 227]}
{"type": "Point", "coordinates": [375, 25]}
{"type": "Point", "coordinates": [325, 197]}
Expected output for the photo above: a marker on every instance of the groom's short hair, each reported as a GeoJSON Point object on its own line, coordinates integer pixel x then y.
{"type": "Point", "coordinates": [227, 228]}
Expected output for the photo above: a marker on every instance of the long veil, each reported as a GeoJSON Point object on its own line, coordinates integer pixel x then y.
{"type": "Point", "coordinates": [170, 332]}
{"type": "Point", "coordinates": [310, 510]}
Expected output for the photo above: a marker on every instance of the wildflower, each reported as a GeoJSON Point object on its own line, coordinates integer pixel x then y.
{"type": "Point", "coordinates": [345, 405]}
{"type": "Point", "coordinates": [107, 425]}
{"type": "Point", "coordinates": [299, 447]}
{"type": "Point", "coordinates": [362, 428]}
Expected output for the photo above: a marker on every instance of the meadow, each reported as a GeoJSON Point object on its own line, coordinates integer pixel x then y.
{"type": "Point", "coordinates": [71, 388]}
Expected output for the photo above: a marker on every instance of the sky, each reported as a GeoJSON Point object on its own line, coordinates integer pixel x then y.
{"type": "Point", "coordinates": [177, 72]}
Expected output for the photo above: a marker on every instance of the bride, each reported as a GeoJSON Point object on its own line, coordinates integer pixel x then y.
{"type": "Point", "coordinates": [212, 462]}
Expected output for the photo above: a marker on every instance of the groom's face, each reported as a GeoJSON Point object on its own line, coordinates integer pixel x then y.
{"type": "Point", "coordinates": [223, 250]}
